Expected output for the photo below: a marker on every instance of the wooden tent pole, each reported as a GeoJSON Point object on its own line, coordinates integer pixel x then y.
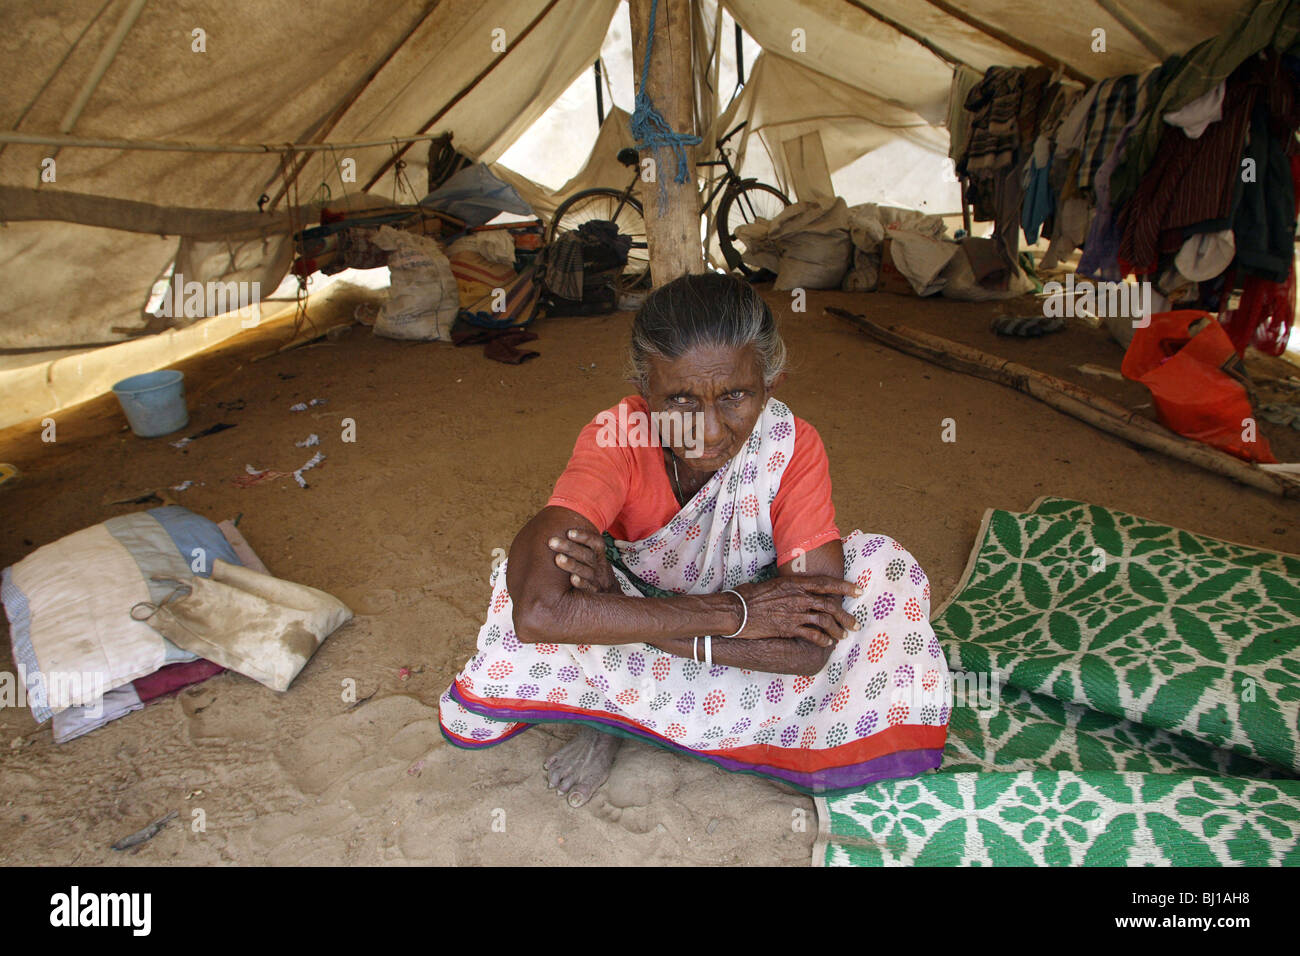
{"type": "Point", "coordinates": [949, 58]}
{"type": "Point", "coordinates": [673, 226]}
{"type": "Point", "coordinates": [1073, 400]}
{"type": "Point", "coordinates": [1008, 40]}
{"type": "Point", "coordinates": [336, 115]}
{"type": "Point", "coordinates": [462, 93]}
{"type": "Point", "coordinates": [1131, 24]}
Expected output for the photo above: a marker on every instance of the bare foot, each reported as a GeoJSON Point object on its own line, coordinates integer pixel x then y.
{"type": "Point", "coordinates": [582, 765]}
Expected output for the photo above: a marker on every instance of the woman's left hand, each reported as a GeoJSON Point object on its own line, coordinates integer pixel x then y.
{"type": "Point", "coordinates": [582, 554]}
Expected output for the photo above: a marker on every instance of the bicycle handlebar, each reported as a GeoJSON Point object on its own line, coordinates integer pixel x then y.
{"type": "Point", "coordinates": [732, 133]}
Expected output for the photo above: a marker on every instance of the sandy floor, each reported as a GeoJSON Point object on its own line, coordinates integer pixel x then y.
{"type": "Point", "coordinates": [453, 454]}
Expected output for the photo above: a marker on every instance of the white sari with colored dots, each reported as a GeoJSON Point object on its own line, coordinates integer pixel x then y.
{"type": "Point", "coordinates": [878, 709]}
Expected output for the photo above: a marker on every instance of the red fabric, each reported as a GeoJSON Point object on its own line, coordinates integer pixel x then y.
{"type": "Point", "coordinates": [1193, 395]}
{"type": "Point", "coordinates": [174, 677]}
{"type": "Point", "coordinates": [1264, 316]}
{"type": "Point", "coordinates": [627, 491]}
{"type": "Point", "coordinates": [1266, 313]}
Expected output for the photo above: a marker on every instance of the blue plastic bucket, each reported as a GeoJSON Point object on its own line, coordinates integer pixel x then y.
{"type": "Point", "coordinates": [154, 402]}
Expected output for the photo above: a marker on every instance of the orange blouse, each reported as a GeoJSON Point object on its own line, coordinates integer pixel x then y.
{"type": "Point", "coordinates": [626, 490]}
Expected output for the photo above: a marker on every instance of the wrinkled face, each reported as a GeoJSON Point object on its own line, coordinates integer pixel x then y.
{"type": "Point", "coordinates": [719, 390]}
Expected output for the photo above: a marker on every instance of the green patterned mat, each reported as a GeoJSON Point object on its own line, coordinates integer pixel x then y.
{"type": "Point", "coordinates": [1146, 708]}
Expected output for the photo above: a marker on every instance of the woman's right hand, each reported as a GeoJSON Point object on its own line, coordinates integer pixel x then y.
{"type": "Point", "coordinates": [810, 607]}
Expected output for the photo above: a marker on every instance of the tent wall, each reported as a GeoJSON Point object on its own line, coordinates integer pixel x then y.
{"type": "Point", "coordinates": [271, 73]}
{"type": "Point", "coordinates": [350, 71]}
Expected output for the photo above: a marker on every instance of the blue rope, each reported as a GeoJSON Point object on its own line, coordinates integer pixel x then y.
{"type": "Point", "coordinates": [648, 125]}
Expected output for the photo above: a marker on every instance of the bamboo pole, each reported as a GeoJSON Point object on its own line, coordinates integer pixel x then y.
{"type": "Point", "coordinates": [1073, 400]}
{"type": "Point", "coordinates": [178, 146]}
{"type": "Point", "coordinates": [949, 59]}
{"type": "Point", "coordinates": [337, 114]}
{"type": "Point", "coordinates": [105, 59]}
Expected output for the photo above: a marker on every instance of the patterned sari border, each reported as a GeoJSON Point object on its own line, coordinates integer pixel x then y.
{"type": "Point", "coordinates": [823, 781]}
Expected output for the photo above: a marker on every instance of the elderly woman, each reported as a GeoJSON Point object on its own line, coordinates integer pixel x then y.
{"type": "Point", "coordinates": [768, 644]}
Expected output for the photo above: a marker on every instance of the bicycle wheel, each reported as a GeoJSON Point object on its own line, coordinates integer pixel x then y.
{"type": "Point", "coordinates": [748, 202]}
{"type": "Point", "coordinates": [604, 203]}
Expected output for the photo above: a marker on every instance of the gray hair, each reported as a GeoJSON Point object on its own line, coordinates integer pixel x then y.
{"type": "Point", "coordinates": [705, 310]}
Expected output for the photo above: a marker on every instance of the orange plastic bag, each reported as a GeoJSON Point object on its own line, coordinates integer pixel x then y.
{"type": "Point", "coordinates": [1193, 394]}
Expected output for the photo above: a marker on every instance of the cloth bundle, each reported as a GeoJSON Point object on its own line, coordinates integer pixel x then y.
{"type": "Point", "coordinates": [82, 660]}
{"type": "Point", "coordinates": [579, 269]}
{"type": "Point", "coordinates": [253, 624]}
{"type": "Point", "coordinates": [807, 245]}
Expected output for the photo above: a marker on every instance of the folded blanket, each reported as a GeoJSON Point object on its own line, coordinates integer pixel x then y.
{"type": "Point", "coordinates": [69, 604]}
{"type": "Point", "coordinates": [1126, 693]}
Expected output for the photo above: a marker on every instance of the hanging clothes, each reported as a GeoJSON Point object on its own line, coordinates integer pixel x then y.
{"type": "Point", "coordinates": [994, 105]}
{"type": "Point", "coordinates": [1038, 205]}
{"type": "Point", "coordinates": [1264, 316]}
{"type": "Point", "coordinates": [1100, 259]}
{"type": "Point", "coordinates": [1253, 28]}
{"type": "Point", "coordinates": [1117, 101]}
{"type": "Point", "coordinates": [1265, 219]}
{"type": "Point", "coordinates": [994, 155]}
{"type": "Point", "coordinates": [1036, 90]}
{"type": "Point", "coordinates": [1197, 115]}
{"type": "Point", "coordinates": [964, 79]}
{"type": "Point", "coordinates": [1190, 186]}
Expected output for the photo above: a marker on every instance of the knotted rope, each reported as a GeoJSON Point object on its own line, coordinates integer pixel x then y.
{"type": "Point", "coordinates": [648, 125]}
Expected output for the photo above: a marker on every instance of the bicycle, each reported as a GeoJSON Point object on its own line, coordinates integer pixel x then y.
{"type": "Point", "coordinates": [743, 201]}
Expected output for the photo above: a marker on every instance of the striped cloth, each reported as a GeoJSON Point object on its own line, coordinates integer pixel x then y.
{"type": "Point", "coordinates": [560, 265]}
{"type": "Point", "coordinates": [1190, 183]}
{"type": "Point", "coordinates": [1118, 100]}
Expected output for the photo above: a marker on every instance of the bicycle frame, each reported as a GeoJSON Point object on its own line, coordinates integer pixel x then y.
{"type": "Point", "coordinates": [730, 178]}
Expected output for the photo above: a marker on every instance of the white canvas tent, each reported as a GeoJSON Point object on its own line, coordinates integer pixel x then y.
{"type": "Point", "coordinates": [98, 197]}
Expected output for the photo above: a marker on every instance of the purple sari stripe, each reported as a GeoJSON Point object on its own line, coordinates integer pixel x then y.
{"type": "Point", "coordinates": [905, 763]}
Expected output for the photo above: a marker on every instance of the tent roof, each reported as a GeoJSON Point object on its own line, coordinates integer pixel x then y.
{"type": "Point", "coordinates": [352, 71]}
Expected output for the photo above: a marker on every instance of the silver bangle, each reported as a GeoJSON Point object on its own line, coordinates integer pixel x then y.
{"type": "Point", "coordinates": [744, 607]}
{"type": "Point", "coordinates": [695, 650]}
{"type": "Point", "coordinates": [708, 650]}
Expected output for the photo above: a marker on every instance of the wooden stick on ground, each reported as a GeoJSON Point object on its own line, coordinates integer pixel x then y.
{"type": "Point", "coordinates": [1073, 400]}
{"type": "Point", "coordinates": [304, 341]}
